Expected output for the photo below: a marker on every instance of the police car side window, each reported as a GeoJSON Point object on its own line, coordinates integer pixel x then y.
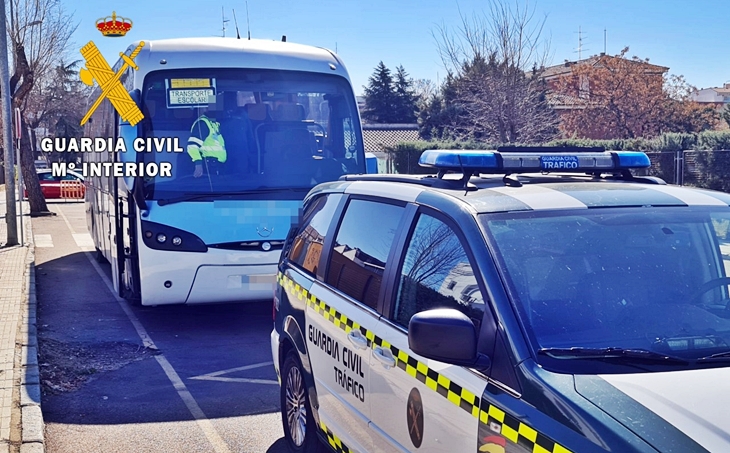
{"type": "Point", "coordinates": [361, 249]}
{"type": "Point", "coordinates": [436, 274]}
{"type": "Point", "coordinates": [307, 245]}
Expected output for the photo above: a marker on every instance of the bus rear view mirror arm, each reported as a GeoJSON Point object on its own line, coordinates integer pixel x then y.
{"type": "Point", "coordinates": [138, 194]}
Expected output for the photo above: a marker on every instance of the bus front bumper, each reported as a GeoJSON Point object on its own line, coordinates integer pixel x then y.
{"type": "Point", "coordinates": [232, 283]}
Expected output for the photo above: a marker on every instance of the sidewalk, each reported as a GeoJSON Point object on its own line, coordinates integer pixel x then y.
{"type": "Point", "coordinates": [21, 420]}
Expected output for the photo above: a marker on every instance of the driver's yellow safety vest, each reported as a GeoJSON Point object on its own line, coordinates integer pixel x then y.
{"type": "Point", "coordinates": [212, 146]}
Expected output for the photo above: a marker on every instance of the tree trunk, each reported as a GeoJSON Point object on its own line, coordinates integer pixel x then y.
{"type": "Point", "coordinates": [30, 178]}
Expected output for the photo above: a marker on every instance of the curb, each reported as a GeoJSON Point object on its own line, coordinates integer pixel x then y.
{"type": "Point", "coordinates": [31, 417]}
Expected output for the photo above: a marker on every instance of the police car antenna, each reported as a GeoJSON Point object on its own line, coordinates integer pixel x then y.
{"type": "Point", "coordinates": [235, 22]}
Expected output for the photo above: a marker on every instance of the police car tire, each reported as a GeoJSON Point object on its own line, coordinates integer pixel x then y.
{"type": "Point", "coordinates": [292, 368]}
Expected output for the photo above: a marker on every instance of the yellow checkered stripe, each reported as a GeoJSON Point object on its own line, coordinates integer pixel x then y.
{"type": "Point", "coordinates": [333, 440]}
{"type": "Point", "coordinates": [488, 414]}
{"type": "Point", "coordinates": [517, 432]}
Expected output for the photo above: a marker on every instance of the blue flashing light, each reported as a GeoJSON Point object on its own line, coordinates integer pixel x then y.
{"type": "Point", "coordinates": [533, 162]}
{"type": "Point", "coordinates": [633, 159]}
{"type": "Point", "coordinates": [458, 159]}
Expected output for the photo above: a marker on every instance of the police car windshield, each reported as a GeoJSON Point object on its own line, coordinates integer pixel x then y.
{"type": "Point", "coordinates": [240, 129]}
{"type": "Point", "coordinates": [651, 279]}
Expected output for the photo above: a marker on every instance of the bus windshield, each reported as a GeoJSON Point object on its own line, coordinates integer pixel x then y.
{"type": "Point", "coordinates": [243, 130]}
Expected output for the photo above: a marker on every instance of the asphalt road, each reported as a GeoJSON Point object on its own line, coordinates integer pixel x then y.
{"type": "Point", "coordinates": [205, 383]}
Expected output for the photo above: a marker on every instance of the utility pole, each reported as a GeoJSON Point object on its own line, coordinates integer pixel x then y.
{"type": "Point", "coordinates": [10, 212]}
{"type": "Point", "coordinates": [223, 17]}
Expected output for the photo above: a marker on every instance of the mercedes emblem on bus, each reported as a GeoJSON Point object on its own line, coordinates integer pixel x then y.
{"type": "Point", "coordinates": [264, 232]}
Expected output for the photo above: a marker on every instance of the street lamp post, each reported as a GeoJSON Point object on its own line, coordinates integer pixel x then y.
{"type": "Point", "coordinates": [10, 212]}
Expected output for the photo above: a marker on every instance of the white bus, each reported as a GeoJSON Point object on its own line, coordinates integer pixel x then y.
{"type": "Point", "coordinates": [289, 119]}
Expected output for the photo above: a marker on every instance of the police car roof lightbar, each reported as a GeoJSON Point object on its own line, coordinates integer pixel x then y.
{"type": "Point", "coordinates": [498, 162]}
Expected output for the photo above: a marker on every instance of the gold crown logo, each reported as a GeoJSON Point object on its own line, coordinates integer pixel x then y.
{"type": "Point", "coordinates": [113, 26]}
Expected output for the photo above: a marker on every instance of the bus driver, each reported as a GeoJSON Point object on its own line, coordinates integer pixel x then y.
{"type": "Point", "coordinates": [206, 145]}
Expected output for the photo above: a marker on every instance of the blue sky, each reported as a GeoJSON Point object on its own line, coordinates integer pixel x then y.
{"type": "Point", "coordinates": [688, 37]}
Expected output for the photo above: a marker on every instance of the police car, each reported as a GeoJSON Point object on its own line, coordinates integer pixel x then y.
{"type": "Point", "coordinates": [520, 300]}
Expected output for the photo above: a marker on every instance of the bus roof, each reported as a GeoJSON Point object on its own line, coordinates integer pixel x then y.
{"type": "Point", "coordinates": [216, 52]}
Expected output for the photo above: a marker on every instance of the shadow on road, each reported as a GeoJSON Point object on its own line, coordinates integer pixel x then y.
{"type": "Point", "coordinates": [94, 368]}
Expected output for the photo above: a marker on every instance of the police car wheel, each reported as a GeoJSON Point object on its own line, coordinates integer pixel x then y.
{"type": "Point", "coordinates": [296, 412]}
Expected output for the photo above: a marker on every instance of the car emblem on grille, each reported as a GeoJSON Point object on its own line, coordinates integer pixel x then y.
{"type": "Point", "coordinates": [264, 232]}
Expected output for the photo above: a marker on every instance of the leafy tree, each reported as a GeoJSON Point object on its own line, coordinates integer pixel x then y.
{"type": "Point", "coordinates": [726, 114]}
{"type": "Point", "coordinates": [618, 97]}
{"type": "Point", "coordinates": [390, 99]}
{"type": "Point", "coordinates": [405, 98]}
{"type": "Point", "coordinates": [379, 96]}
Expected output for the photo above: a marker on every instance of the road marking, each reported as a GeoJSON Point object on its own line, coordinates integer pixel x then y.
{"type": "Point", "coordinates": [216, 375]}
{"type": "Point", "coordinates": [43, 240]}
{"type": "Point", "coordinates": [219, 445]}
{"type": "Point", "coordinates": [84, 241]}
{"type": "Point", "coordinates": [57, 209]}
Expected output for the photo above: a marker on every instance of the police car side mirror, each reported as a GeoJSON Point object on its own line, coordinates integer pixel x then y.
{"type": "Point", "coordinates": [446, 335]}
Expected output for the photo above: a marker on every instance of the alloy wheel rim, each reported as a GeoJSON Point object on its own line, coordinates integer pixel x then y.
{"type": "Point", "coordinates": [296, 411]}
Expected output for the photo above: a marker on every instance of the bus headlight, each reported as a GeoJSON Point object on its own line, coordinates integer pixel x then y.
{"type": "Point", "coordinates": [164, 237]}
{"type": "Point", "coordinates": [266, 246]}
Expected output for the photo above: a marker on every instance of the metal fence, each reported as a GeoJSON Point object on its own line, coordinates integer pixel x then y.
{"type": "Point", "coordinates": [707, 169]}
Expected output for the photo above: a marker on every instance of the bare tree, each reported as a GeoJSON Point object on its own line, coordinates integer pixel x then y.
{"type": "Point", "coordinates": [493, 62]}
{"type": "Point", "coordinates": [39, 38]}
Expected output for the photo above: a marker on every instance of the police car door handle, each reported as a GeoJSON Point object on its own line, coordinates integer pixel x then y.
{"type": "Point", "coordinates": [357, 339]}
{"type": "Point", "coordinates": [384, 356]}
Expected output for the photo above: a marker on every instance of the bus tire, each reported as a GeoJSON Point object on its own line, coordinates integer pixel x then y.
{"type": "Point", "coordinates": [99, 256]}
{"type": "Point", "coordinates": [300, 429]}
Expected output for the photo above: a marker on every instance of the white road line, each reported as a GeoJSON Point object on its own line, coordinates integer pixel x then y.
{"type": "Point", "coordinates": [232, 379]}
{"type": "Point", "coordinates": [43, 240]}
{"type": "Point", "coordinates": [84, 241]}
{"type": "Point", "coordinates": [58, 210]}
{"type": "Point", "coordinates": [209, 430]}
{"type": "Point", "coordinates": [216, 375]}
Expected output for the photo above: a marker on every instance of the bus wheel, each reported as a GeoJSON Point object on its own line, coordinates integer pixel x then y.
{"type": "Point", "coordinates": [99, 256]}
{"type": "Point", "coordinates": [296, 412]}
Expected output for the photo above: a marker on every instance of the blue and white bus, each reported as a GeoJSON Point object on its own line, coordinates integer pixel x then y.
{"type": "Point", "coordinates": [289, 119]}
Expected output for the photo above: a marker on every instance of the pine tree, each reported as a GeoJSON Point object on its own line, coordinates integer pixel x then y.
{"type": "Point", "coordinates": [379, 96]}
{"type": "Point", "coordinates": [405, 99]}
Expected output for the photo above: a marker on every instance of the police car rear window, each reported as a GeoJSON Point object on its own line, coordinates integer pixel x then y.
{"type": "Point", "coordinates": [307, 246]}
{"type": "Point", "coordinates": [361, 249]}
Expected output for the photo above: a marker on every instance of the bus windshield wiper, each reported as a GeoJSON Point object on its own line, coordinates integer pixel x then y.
{"type": "Point", "coordinates": [190, 196]}
{"type": "Point", "coordinates": [611, 353]}
{"type": "Point", "coordinates": [719, 356]}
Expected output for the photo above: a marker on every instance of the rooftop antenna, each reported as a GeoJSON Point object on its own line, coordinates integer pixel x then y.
{"type": "Point", "coordinates": [248, 25]}
{"type": "Point", "coordinates": [604, 41]}
{"type": "Point", "coordinates": [580, 48]}
{"type": "Point", "coordinates": [223, 17]}
{"type": "Point", "coordinates": [235, 21]}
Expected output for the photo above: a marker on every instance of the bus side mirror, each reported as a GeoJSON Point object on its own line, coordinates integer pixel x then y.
{"type": "Point", "coordinates": [128, 133]}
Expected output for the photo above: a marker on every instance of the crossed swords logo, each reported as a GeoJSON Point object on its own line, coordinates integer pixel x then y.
{"type": "Point", "coordinates": [110, 82]}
